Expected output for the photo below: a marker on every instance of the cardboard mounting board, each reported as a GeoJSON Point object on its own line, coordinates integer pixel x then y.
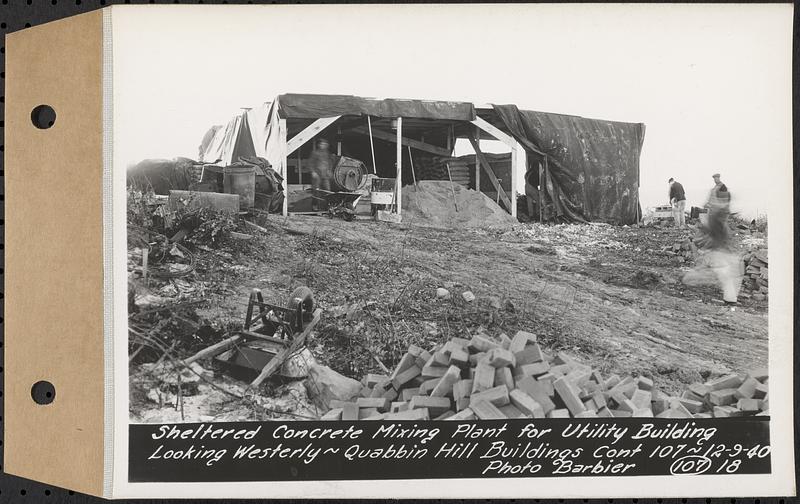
{"type": "Point", "coordinates": [54, 292]}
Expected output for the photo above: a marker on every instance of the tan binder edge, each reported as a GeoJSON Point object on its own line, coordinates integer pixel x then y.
{"type": "Point", "coordinates": [54, 254]}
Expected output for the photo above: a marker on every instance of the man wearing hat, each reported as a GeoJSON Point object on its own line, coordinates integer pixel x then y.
{"type": "Point", "coordinates": [677, 198]}
{"type": "Point", "coordinates": [321, 163]}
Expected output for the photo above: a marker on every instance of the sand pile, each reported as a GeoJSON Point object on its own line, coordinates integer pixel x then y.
{"type": "Point", "coordinates": [431, 204]}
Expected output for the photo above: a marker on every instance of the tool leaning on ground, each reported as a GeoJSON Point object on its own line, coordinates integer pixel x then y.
{"type": "Point", "coordinates": [269, 336]}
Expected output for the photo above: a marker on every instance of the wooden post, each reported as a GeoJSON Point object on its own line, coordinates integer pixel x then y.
{"type": "Point", "coordinates": [399, 182]}
{"type": "Point", "coordinates": [284, 165]}
{"type": "Point", "coordinates": [477, 161]}
{"type": "Point", "coordinates": [338, 141]}
{"type": "Point", "coordinates": [518, 164]}
{"type": "Point", "coordinates": [299, 169]}
{"type": "Point", "coordinates": [541, 192]}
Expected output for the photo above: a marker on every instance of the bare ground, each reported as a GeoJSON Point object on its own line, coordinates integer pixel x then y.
{"type": "Point", "coordinates": [611, 296]}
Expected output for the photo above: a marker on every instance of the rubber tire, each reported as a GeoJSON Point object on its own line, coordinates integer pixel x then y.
{"type": "Point", "coordinates": [302, 295]}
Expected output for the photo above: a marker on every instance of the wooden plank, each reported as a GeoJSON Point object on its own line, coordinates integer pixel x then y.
{"type": "Point", "coordinates": [213, 350]}
{"type": "Point", "coordinates": [495, 132]}
{"type": "Point", "coordinates": [477, 161]}
{"type": "Point", "coordinates": [308, 133]}
{"type": "Point", "coordinates": [488, 169]}
{"type": "Point", "coordinates": [399, 181]}
{"type": "Point", "coordinates": [283, 169]}
{"type": "Point", "coordinates": [414, 144]}
{"type": "Point", "coordinates": [281, 356]}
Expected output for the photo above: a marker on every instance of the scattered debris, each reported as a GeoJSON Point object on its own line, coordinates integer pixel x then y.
{"type": "Point", "coordinates": [468, 296]}
{"type": "Point", "coordinates": [756, 274]}
{"type": "Point", "coordinates": [442, 293]}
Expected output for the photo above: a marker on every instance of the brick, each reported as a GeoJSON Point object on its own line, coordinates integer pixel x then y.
{"type": "Point", "coordinates": [659, 405]}
{"type": "Point", "coordinates": [411, 414]}
{"type": "Point", "coordinates": [569, 396]}
{"type": "Point", "coordinates": [534, 369]}
{"type": "Point", "coordinates": [453, 346]}
{"type": "Point", "coordinates": [428, 385]}
{"type": "Point", "coordinates": [435, 405]}
{"type": "Point", "coordinates": [379, 403]}
{"type": "Point", "coordinates": [444, 416]}
{"type": "Point", "coordinates": [429, 372]}
{"type": "Point", "coordinates": [642, 398]}
{"type": "Point", "coordinates": [579, 376]}
{"type": "Point", "coordinates": [627, 387]}
{"type": "Point", "coordinates": [688, 394]}
{"type": "Point", "coordinates": [761, 391]}
{"type": "Point", "coordinates": [526, 404]}
{"type": "Point", "coordinates": [590, 405]}
{"type": "Point", "coordinates": [627, 405]}
{"type": "Point", "coordinates": [560, 369]}
{"type": "Point", "coordinates": [423, 359]}
{"type": "Point", "coordinates": [703, 415]}
{"type": "Point", "coordinates": [748, 388]}
{"type": "Point", "coordinates": [480, 343]}
{"type": "Point", "coordinates": [565, 358]}
{"type": "Point", "coordinates": [722, 397]}
{"type": "Point", "coordinates": [587, 414]}
{"type": "Point", "coordinates": [438, 359]}
{"type": "Point", "coordinates": [396, 407]}
{"type": "Point", "coordinates": [375, 417]}
{"type": "Point", "coordinates": [380, 388]}
{"type": "Point", "coordinates": [373, 379]}
{"type": "Point", "coordinates": [611, 381]}
{"type": "Point", "coordinates": [547, 381]}
{"type": "Point", "coordinates": [390, 394]}
{"type": "Point", "coordinates": [521, 340]}
{"type": "Point", "coordinates": [598, 378]}
{"type": "Point", "coordinates": [462, 342]}
{"type": "Point", "coordinates": [725, 382]}
{"type": "Point", "coordinates": [350, 412]}
{"type": "Point", "coordinates": [642, 413]}
{"type": "Point", "coordinates": [365, 392]}
{"type": "Point", "coordinates": [500, 357]}
{"type": "Point", "coordinates": [748, 405]}
{"type": "Point", "coordinates": [502, 376]}
{"type": "Point", "coordinates": [484, 377]}
{"type": "Point", "coordinates": [675, 404]}
{"type": "Point", "coordinates": [465, 414]}
{"type": "Point", "coordinates": [674, 413]}
{"type": "Point", "coordinates": [505, 341]}
{"type": "Point", "coordinates": [334, 414]}
{"type": "Point", "coordinates": [510, 411]}
{"type": "Point", "coordinates": [462, 404]}
{"type": "Point", "coordinates": [691, 405]}
{"type": "Point", "coordinates": [474, 359]}
{"type": "Point", "coordinates": [367, 412]}
{"type": "Point", "coordinates": [406, 376]}
{"type": "Point", "coordinates": [462, 389]}
{"type": "Point", "coordinates": [406, 362]}
{"type": "Point", "coordinates": [699, 389]}
{"type": "Point", "coordinates": [558, 413]}
{"type": "Point", "coordinates": [725, 411]}
{"type": "Point", "coordinates": [599, 400]}
{"type": "Point", "coordinates": [445, 385]}
{"type": "Point", "coordinates": [459, 358]}
{"type": "Point", "coordinates": [604, 413]}
{"type": "Point", "coordinates": [495, 395]}
{"type": "Point", "coordinates": [407, 394]}
{"type": "Point", "coordinates": [529, 355]}
{"type": "Point", "coordinates": [644, 383]}
{"type": "Point", "coordinates": [415, 350]}
{"type": "Point", "coordinates": [620, 413]}
{"type": "Point", "coordinates": [485, 410]}
{"type": "Point", "coordinates": [759, 374]}
{"type": "Point", "coordinates": [538, 391]}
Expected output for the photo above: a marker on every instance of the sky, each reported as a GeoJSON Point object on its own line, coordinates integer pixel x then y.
{"type": "Point", "coordinates": [712, 83]}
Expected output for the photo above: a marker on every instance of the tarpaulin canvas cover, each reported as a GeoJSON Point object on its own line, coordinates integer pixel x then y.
{"type": "Point", "coordinates": [593, 164]}
{"type": "Point", "coordinates": [306, 106]}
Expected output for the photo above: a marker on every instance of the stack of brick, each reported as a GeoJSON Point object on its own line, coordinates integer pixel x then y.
{"type": "Point", "coordinates": [756, 274]}
{"type": "Point", "coordinates": [486, 378]}
{"type": "Point", "coordinates": [683, 248]}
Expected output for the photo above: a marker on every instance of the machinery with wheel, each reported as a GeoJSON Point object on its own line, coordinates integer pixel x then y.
{"type": "Point", "coordinates": [270, 334]}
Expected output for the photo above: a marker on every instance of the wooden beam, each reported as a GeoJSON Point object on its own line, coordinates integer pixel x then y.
{"type": "Point", "coordinates": [488, 169]}
{"type": "Point", "coordinates": [414, 144]}
{"type": "Point", "coordinates": [477, 161]}
{"type": "Point", "coordinates": [284, 168]}
{"type": "Point", "coordinates": [213, 350]}
{"type": "Point", "coordinates": [399, 182]}
{"type": "Point", "coordinates": [518, 169]}
{"type": "Point", "coordinates": [495, 132]}
{"type": "Point", "coordinates": [307, 134]}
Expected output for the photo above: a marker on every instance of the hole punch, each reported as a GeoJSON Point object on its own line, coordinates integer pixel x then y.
{"type": "Point", "coordinates": [43, 116]}
{"type": "Point", "coordinates": [43, 392]}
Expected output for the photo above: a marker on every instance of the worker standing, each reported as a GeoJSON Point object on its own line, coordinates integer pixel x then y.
{"type": "Point", "coordinates": [717, 262]}
{"type": "Point", "coordinates": [321, 165]}
{"type": "Point", "coordinates": [677, 198]}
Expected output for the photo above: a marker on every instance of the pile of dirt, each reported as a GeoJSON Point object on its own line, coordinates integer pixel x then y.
{"type": "Point", "coordinates": [432, 203]}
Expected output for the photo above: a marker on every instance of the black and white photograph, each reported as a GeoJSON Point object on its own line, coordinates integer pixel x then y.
{"type": "Point", "coordinates": [454, 213]}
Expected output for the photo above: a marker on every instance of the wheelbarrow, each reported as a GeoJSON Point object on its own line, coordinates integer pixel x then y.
{"type": "Point", "coordinates": [270, 334]}
{"type": "Point", "coordinates": [339, 204]}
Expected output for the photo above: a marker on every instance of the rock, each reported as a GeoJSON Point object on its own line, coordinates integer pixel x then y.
{"type": "Point", "coordinates": [297, 365]}
{"type": "Point", "coordinates": [759, 297]}
{"type": "Point", "coordinates": [324, 385]}
{"type": "Point", "coordinates": [494, 302]}
{"type": "Point", "coordinates": [468, 296]}
{"type": "Point", "coordinates": [442, 293]}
